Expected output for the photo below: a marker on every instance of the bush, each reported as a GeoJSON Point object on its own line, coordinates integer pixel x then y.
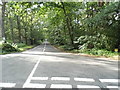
{"type": "Point", "coordinates": [66, 47]}
{"type": "Point", "coordinates": [39, 42]}
{"type": "Point", "coordinates": [98, 52]}
{"type": "Point", "coordinates": [6, 47]}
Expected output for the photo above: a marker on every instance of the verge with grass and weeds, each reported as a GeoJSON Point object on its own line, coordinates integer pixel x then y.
{"type": "Point", "coordinates": [90, 52]}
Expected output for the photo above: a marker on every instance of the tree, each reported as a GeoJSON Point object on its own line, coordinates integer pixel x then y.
{"type": "Point", "coordinates": [3, 16]}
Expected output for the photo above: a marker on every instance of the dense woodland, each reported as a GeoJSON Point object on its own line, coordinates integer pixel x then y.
{"type": "Point", "coordinates": [72, 25]}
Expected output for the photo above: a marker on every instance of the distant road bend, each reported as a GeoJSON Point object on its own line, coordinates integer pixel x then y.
{"type": "Point", "coordinates": [46, 67]}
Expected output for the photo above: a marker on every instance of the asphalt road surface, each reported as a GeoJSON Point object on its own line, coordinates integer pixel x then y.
{"type": "Point", "coordinates": [46, 67]}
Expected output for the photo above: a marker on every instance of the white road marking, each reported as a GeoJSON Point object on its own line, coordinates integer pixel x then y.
{"type": "Point", "coordinates": [27, 84]}
{"type": "Point", "coordinates": [33, 71]}
{"type": "Point", "coordinates": [31, 74]}
{"type": "Point", "coordinates": [44, 48]}
{"type": "Point", "coordinates": [60, 86]}
{"type": "Point", "coordinates": [39, 78]}
{"type": "Point", "coordinates": [87, 86]}
{"type": "Point", "coordinates": [112, 86]}
{"type": "Point", "coordinates": [84, 79]}
{"type": "Point", "coordinates": [7, 85]}
{"type": "Point", "coordinates": [109, 80]}
{"type": "Point", "coordinates": [33, 85]}
{"type": "Point", "coordinates": [61, 78]}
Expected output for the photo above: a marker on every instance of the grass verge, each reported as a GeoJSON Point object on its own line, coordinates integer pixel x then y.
{"type": "Point", "coordinates": [92, 52]}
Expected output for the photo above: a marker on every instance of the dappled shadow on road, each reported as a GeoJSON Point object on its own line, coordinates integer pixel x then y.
{"type": "Point", "coordinates": [33, 55]}
{"type": "Point", "coordinates": [56, 54]}
{"type": "Point", "coordinates": [70, 56]}
{"type": "Point", "coordinates": [51, 52]}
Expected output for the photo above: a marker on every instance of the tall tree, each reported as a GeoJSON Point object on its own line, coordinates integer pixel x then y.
{"type": "Point", "coordinates": [3, 18]}
{"type": "Point", "coordinates": [68, 23]}
{"type": "Point", "coordinates": [19, 28]}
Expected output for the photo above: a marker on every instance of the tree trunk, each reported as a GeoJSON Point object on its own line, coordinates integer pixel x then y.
{"type": "Point", "coordinates": [11, 27]}
{"type": "Point", "coordinates": [26, 30]}
{"type": "Point", "coordinates": [31, 31]}
{"type": "Point", "coordinates": [65, 34]}
{"type": "Point", "coordinates": [100, 3]}
{"type": "Point", "coordinates": [68, 23]}
{"type": "Point", "coordinates": [3, 17]}
{"type": "Point", "coordinates": [19, 29]}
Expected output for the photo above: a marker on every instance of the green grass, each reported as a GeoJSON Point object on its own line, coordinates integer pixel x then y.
{"type": "Point", "coordinates": [25, 48]}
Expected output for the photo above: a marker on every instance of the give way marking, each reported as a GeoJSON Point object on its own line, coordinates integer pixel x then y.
{"type": "Point", "coordinates": [7, 85]}
{"type": "Point", "coordinates": [27, 82]}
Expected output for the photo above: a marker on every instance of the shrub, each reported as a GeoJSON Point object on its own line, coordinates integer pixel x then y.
{"type": "Point", "coordinates": [6, 47]}
{"type": "Point", "coordinates": [98, 52]}
{"type": "Point", "coordinates": [66, 47]}
{"type": "Point", "coordinates": [39, 42]}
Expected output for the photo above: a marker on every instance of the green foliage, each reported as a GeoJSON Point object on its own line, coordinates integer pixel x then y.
{"type": "Point", "coordinates": [11, 47]}
{"type": "Point", "coordinates": [7, 47]}
{"type": "Point", "coordinates": [67, 47]}
{"type": "Point", "coordinates": [39, 42]}
{"type": "Point", "coordinates": [25, 47]}
{"type": "Point", "coordinates": [99, 52]}
{"type": "Point", "coordinates": [72, 25]}
{"type": "Point", "coordinates": [19, 45]}
{"type": "Point", "coordinates": [106, 24]}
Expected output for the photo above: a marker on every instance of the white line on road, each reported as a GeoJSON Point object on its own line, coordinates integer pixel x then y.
{"type": "Point", "coordinates": [60, 78]}
{"type": "Point", "coordinates": [44, 48]}
{"type": "Point", "coordinates": [7, 85]}
{"type": "Point", "coordinates": [109, 80]}
{"type": "Point", "coordinates": [39, 78]}
{"type": "Point", "coordinates": [31, 74]}
{"type": "Point", "coordinates": [60, 86]}
{"type": "Point", "coordinates": [112, 86]}
{"type": "Point", "coordinates": [33, 85]}
{"type": "Point", "coordinates": [33, 71]}
{"type": "Point", "coordinates": [84, 79]}
{"type": "Point", "coordinates": [87, 86]}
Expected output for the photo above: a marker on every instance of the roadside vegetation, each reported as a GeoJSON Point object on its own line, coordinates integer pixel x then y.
{"type": "Point", "coordinates": [91, 52]}
{"type": "Point", "coordinates": [80, 27]}
{"type": "Point", "coordinates": [12, 48]}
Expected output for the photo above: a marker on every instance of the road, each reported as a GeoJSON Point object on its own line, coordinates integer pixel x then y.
{"type": "Point", "coordinates": [47, 67]}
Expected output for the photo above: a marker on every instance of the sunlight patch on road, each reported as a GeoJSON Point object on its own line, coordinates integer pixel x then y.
{"type": "Point", "coordinates": [32, 52]}
{"type": "Point", "coordinates": [53, 59]}
{"type": "Point", "coordinates": [113, 68]}
{"type": "Point", "coordinates": [57, 53]}
{"type": "Point", "coordinates": [106, 59]}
